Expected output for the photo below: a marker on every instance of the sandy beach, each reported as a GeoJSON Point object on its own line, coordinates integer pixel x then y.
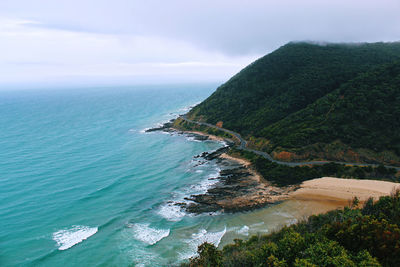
{"type": "Point", "coordinates": [313, 196]}
{"type": "Point", "coordinates": [341, 191]}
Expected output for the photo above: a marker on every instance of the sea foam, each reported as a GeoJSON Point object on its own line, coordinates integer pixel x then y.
{"type": "Point", "coordinates": [210, 237]}
{"type": "Point", "coordinates": [244, 230]}
{"type": "Point", "coordinates": [173, 212]}
{"type": "Point", "coordinates": [148, 235]}
{"type": "Point", "coordinates": [199, 238]}
{"type": "Point", "coordinates": [68, 238]}
{"type": "Point", "coordinates": [203, 186]}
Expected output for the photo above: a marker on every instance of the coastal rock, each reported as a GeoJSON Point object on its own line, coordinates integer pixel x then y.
{"type": "Point", "coordinates": [239, 189]}
{"type": "Point", "coordinates": [165, 127]}
{"type": "Point", "coordinates": [197, 136]}
{"type": "Point", "coordinates": [215, 154]}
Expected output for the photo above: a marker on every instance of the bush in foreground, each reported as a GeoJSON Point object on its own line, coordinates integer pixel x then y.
{"type": "Point", "coordinates": [368, 236]}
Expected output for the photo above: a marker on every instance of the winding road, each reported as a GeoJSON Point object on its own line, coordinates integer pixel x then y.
{"type": "Point", "coordinates": [243, 145]}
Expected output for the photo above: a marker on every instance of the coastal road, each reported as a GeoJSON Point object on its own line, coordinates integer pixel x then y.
{"type": "Point", "coordinates": [243, 145]}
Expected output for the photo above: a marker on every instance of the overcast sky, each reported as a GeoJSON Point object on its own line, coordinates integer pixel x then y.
{"type": "Point", "coordinates": [156, 41]}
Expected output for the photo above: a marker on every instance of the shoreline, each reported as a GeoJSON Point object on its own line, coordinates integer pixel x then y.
{"type": "Point", "coordinates": [209, 136]}
{"type": "Point", "coordinates": [240, 188]}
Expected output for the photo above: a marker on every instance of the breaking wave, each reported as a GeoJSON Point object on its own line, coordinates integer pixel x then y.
{"type": "Point", "coordinates": [68, 238]}
{"type": "Point", "coordinates": [199, 238]}
{"type": "Point", "coordinates": [148, 235]}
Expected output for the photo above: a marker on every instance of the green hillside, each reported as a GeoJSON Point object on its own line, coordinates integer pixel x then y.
{"type": "Point", "coordinates": [315, 101]}
{"type": "Point", "coordinates": [363, 113]}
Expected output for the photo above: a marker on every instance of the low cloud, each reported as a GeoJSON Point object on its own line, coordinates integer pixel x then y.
{"type": "Point", "coordinates": [37, 53]}
{"type": "Point", "coordinates": [156, 38]}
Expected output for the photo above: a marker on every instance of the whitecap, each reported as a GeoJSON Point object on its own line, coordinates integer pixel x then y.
{"type": "Point", "coordinates": [171, 212]}
{"type": "Point", "coordinates": [209, 237]}
{"type": "Point", "coordinates": [169, 116]}
{"type": "Point", "coordinates": [144, 130]}
{"type": "Point", "coordinates": [148, 235]}
{"type": "Point", "coordinates": [244, 230]}
{"type": "Point", "coordinates": [215, 174]}
{"type": "Point", "coordinates": [193, 139]}
{"type": "Point", "coordinates": [168, 133]}
{"type": "Point", "coordinates": [157, 125]}
{"type": "Point", "coordinates": [187, 108]}
{"type": "Point", "coordinates": [68, 238]}
{"type": "Point", "coordinates": [198, 239]}
{"type": "Point", "coordinates": [204, 185]}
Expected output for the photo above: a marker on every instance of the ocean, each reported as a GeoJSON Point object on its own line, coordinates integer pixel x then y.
{"type": "Point", "coordinates": [82, 184]}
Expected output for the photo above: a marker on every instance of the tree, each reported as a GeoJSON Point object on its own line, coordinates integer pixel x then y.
{"type": "Point", "coordinates": [209, 256]}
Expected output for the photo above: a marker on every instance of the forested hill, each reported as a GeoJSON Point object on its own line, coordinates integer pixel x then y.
{"type": "Point", "coordinates": [315, 101]}
{"type": "Point", "coordinates": [364, 112]}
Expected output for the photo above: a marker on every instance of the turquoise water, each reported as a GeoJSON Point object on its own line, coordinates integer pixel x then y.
{"type": "Point", "coordinates": [81, 184]}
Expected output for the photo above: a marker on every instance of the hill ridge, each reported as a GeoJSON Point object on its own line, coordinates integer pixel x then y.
{"type": "Point", "coordinates": [258, 100]}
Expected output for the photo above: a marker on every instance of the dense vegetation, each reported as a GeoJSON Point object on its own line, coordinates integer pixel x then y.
{"type": "Point", "coordinates": [368, 236]}
{"type": "Point", "coordinates": [282, 175]}
{"type": "Point", "coordinates": [304, 97]}
{"type": "Point", "coordinates": [364, 112]}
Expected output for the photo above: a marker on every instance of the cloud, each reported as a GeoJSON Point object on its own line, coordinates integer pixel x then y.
{"type": "Point", "coordinates": [228, 26]}
{"type": "Point", "coordinates": [34, 53]}
{"type": "Point", "coordinates": [157, 37]}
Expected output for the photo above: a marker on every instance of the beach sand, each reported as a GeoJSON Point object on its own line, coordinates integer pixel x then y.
{"type": "Point", "coordinates": [337, 191]}
{"type": "Point", "coordinates": [313, 197]}
{"type": "Point", "coordinates": [239, 160]}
